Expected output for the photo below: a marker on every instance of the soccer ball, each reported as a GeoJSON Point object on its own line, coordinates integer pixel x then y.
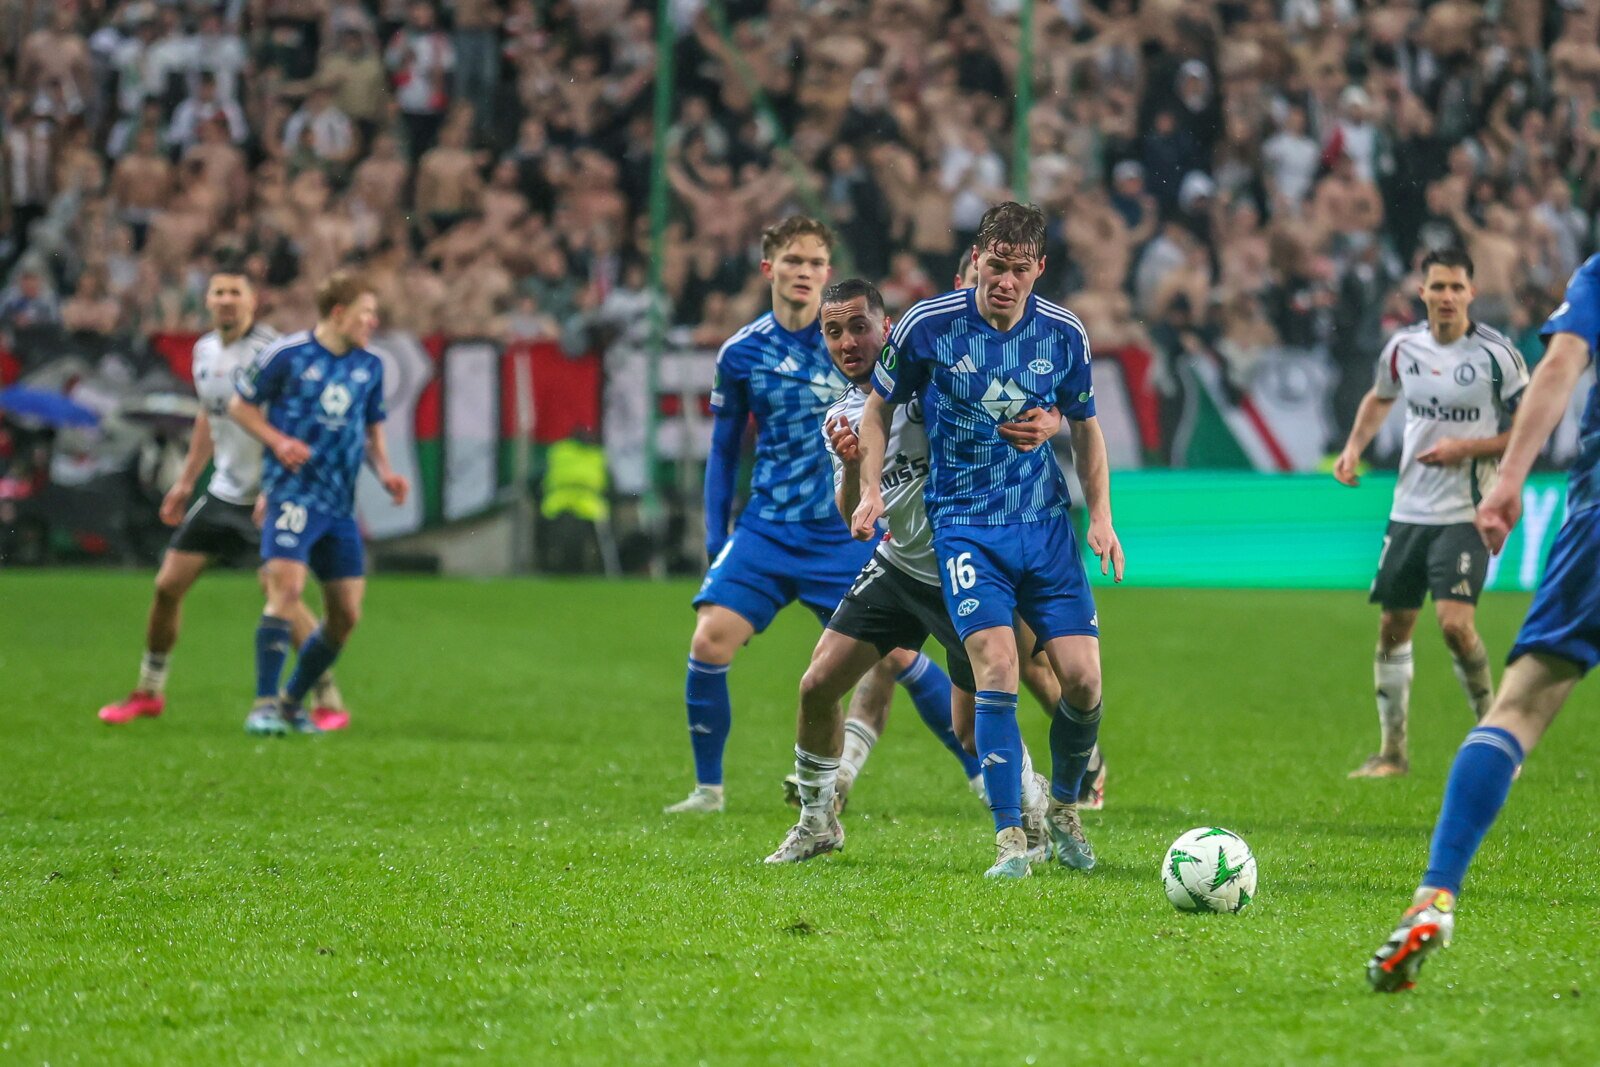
{"type": "Point", "coordinates": [1209, 869]}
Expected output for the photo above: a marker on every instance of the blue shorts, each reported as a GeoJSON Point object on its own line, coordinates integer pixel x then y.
{"type": "Point", "coordinates": [329, 544]}
{"type": "Point", "coordinates": [1564, 620]}
{"type": "Point", "coordinates": [766, 566]}
{"type": "Point", "coordinates": [993, 573]}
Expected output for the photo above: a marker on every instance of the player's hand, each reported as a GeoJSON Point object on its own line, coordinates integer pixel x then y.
{"type": "Point", "coordinates": [258, 514]}
{"type": "Point", "coordinates": [1107, 548]}
{"type": "Point", "coordinates": [291, 452]}
{"type": "Point", "coordinates": [1031, 429]}
{"type": "Point", "coordinates": [1446, 453]}
{"type": "Point", "coordinates": [1498, 514]}
{"type": "Point", "coordinates": [1347, 468]}
{"type": "Point", "coordinates": [176, 502]}
{"type": "Point", "coordinates": [842, 437]}
{"type": "Point", "coordinates": [397, 487]}
{"type": "Point", "coordinates": [864, 523]}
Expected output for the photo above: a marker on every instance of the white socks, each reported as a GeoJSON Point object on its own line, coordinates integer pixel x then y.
{"type": "Point", "coordinates": [1472, 671]}
{"type": "Point", "coordinates": [817, 776]}
{"type": "Point", "coordinates": [153, 673]}
{"type": "Point", "coordinates": [858, 741]}
{"type": "Point", "coordinates": [1030, 784]}
{"type": "Point", "coordinates": [1391, 674]}
{"type": "Point", "coordinates": [325, 693]}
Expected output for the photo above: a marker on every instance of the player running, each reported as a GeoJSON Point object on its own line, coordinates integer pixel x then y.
{"type": "Point", "coordinates": [1559, 642]}
{"type": "Point", "coordinates": [978, 359]}
{"type": "Point", "coordinates": [789, 543]}
{"type": "Point", "coordinates": [220, 526]}
{"type": "Point", "coordinates": [1461, 382]}
{"type": "Point", "coordinates": [324, 392]}
{"type": "Point", "coordinates": [895, 601]}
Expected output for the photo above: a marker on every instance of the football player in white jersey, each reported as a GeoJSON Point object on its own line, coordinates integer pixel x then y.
{"type": "Point", "coordinates": [221, 525]}
{"type": "Point", "coordinates": [895, 602]}
{"type": "Point", "coordinates": [1461, 381]}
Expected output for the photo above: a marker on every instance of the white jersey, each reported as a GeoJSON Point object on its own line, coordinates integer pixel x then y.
{"type": "Point", "coordinates": [236, 458]}
{"type": "Point", "coordinates": [1468, 388]}
{"type": "Point", "coordinates": [905, 472]}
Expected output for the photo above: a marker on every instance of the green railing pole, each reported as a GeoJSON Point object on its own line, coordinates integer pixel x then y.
{"type": "Point", "coordinates": [1020, 147]}
{"type": "Point", "coordinates": [666, 49]}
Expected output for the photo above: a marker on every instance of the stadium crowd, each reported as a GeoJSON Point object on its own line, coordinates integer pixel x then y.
{"type": "Point", "coordinates": [1227, 176]}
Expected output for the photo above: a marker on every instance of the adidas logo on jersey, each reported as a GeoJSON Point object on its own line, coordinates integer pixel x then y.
{"type": "Point", "coordinates": [1004, 402]}
{"type": "Point", "coordinates": [790, 365]}
{"type": "Point", "coordinates": [312, 373]}
{"type": "Point", "coordinates": [964, 365]}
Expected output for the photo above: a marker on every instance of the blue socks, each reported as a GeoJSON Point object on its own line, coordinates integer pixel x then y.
{"type": "Point", "coordinates": [1480, 780]}
{"type": "Point", "coordinates": [930, 692]}
{"type": "Point", "coordinates": [710, 718]}
{"type": "Point", "coordinates": [316, 656]}
{"type": "Point", "coordinates": [1073, 733]}
{"type": "Point", "coordinates": [272, 649]}
{"type": "Point", "coordinates": [999, 743]}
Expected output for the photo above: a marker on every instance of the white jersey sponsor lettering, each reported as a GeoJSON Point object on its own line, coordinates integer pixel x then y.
{"type": "Point", "coordinates": [905, 472]}
{"type": "Point", "coordinates": [1466, 389]}
{"type": "Point", "coordinates": [236, 458]}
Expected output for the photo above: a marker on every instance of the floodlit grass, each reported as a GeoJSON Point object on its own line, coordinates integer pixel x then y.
{"type": "Point", "coordinates": [480, 871]}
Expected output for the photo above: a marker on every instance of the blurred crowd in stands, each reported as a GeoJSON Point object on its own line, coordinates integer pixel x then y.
{"type": "Point", "coordinates": [1226, 176]}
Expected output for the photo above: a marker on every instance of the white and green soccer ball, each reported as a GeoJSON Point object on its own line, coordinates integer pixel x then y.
{"type": "Point", "coordinates": [1209, 869]}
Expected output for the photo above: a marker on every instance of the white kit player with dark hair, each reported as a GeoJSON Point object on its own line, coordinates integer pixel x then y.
{"type": "Point", "coordinates": [1461, 382]}
{"type": "Point", "coordinates": [221, 525]}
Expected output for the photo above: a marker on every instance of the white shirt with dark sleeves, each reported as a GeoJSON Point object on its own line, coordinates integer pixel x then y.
{"type": "Point", "coordinates": [905, 472]}
{"type": "Point", "coordinates": [1466, 389]}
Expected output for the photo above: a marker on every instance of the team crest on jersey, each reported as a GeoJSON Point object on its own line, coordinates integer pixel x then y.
{"type": "Point", "coordinates": [335, 400]}
{"type": "Point", "coordinates": [361, 375]}
{"type": "Point", "coordinates": [1466, 374]}
{"type": "Point", "coordinates": [913, 410]}
{"type": "Point", "coordinates": [1041, 366]}
{"type": "Point", "coordinates": [1004, 402]}
{"type": "Point", "coordinates": [967, 607]}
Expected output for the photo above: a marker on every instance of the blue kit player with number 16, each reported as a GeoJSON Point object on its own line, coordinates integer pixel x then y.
{"type": "Point", "coordinates": [977, 359]}
{"type": "Point", "coordinates": [323, 392]}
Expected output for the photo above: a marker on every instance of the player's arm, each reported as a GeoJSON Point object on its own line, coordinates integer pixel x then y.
{"type": "Point", "coordinates": [1454, 450]}
{"type": "Point", "coordinates": [1094, 474]}
{"type": "Point", "coordinates": [730, 402]}
{"type": "Point", "coordinates": [290, 451]}
{"type": "Point", "coordinates": [176, 502]}
{"type": "Point", "coordinates": [872, 442]}
{"type": "Point", "coordinates": [1370, 417]}
{"type": "Point", "coordinates": [1543, 405]}
{"type": "Point", "coordinates": [378, 458]}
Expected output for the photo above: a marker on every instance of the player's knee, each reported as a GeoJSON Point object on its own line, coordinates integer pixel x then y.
{"type": "Point", "coordinates": [1460, 635]}
{"type": "Point", "coordinates": [819, 690]}
{"type": "Point", "coordinates": [341, 621]}
{"type": "Point", "coordinates": [711, 646]}
{"type": "Point", "coordinates": [170, 588]}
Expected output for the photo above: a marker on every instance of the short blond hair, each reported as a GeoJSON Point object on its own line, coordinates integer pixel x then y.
{"type": "Point", "coordinates": [340, 290]}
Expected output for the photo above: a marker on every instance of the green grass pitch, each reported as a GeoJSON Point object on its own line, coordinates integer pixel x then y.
{"type": "Point", "coordinates": [480, 871]}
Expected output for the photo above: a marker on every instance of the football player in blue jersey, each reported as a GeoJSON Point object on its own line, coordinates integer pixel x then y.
{"type": "Point", "coordinates": [1559, 642]}
{"type": "Point", "coordinates": [323, 395]}
{"type": "Point", "coordinates": [977, 359]}
{"type": "Point", "coordinates": [789, 542]}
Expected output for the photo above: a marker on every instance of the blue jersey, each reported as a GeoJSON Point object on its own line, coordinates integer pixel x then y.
{"type": "Point", "coordinates": [328, 402]}
{"type": "Point", "coordinates": [1579, 314]}
{"type": "Point", "coordinates": [972, 378]}
{"type": "Point", "coordinates": [788, 382]}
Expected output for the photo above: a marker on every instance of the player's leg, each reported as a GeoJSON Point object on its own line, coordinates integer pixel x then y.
{"type": "Point", "coordinates": [1399, 588]}
{"type": "Point", "coordinates": [1074, 736]}
{"type": "Point", "coordinates": [285, 581]}
{"type": "Point", "coordinates": [719, 633]}
{"type": "Point", "coordinates": [868, 715]}
{"type": "Point", "coordinates": [1039, 678]}
{"type": "Point", "coordinates": [1559, 642]}
{"type": "Point", "coordinates": [342, 598]}
{"type": "Point", "coordinates": [748, 584]}
{"type": "Point", "coordinates": [1458, 564]}
{"type": "Point", "coordinates": [178, 572]}
{"type": "Point", "coordinates": [838, 662]}
{"type": "Point", "coordinates": [328, 710]}
{"type": "Point", "coordinates": [1531, 695]}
